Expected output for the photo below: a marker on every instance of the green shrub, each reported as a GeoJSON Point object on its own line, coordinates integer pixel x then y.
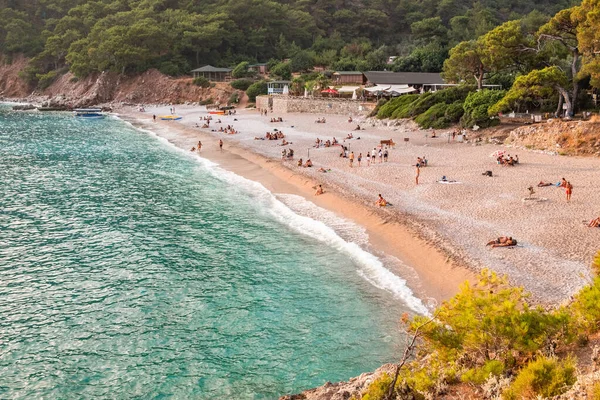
{"type": "Point", "coordinates": [45, 80]}
{"type": "Point", "coordinates": [256, 89]}
{"type": "Point", "coordinates": [446, 96]}
{"type": "Point", "coordinates": [476, 108]}
{"type": "Point", "coordinates": [546, 377]}
{"type": "Point", "coordinates": [586, 305]}
{"type": "Point", "coordinates": [386, 110]}
{"type": "Point", "coordinates": [202, 82]}
{"type": "Point", "coordinates": [378, 388]}
{"type": "Point", "coordinates": [454, 111]}
{"type": "Point", "coordinates": [234, 98]}
{"type": "Point", "coordinates": [478, 376]}
{"type": "Point", "coordinates": [490, 321]}
{"type": "Point", "coordinates": [206, 101]}
{"type": "Point", "coordinates": [241, 84]}
{"type": "Point", "coordinates": [434, 117]}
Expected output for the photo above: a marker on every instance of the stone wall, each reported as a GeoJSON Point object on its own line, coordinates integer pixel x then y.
{"type": "Point", "coordinates": [288, 104]}
{"type": "Point", "coordinates": [262, 102]}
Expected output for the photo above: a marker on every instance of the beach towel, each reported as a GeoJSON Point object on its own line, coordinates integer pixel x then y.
{"type": "Point", "coordinates": [448, 182]}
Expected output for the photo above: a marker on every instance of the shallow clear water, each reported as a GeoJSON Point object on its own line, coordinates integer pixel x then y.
{"type": "Point", "coordinates": [130, 269]}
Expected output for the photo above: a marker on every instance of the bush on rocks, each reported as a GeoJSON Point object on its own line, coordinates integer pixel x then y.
{"type": "Point", "coordinates": [241, 84]}
{"type": "Point", "coordinates": [202, 82]}
{"type": "Point", "coordinates": [476, 108]}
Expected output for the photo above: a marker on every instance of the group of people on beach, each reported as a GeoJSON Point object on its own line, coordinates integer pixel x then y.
{"type": "Point", "coordinates": [320, 120]}
{"type": "Point", "coordinates": [327, 143]}
{"type": "Point", "coordinates": [306, 164]}
{"type": "Point", "coordinates": [507, 160]}
{"type": "Point", "coordinates": [274, 136]}
{"type": "Point", "coordinates": [563, 184]}
{"type": "Point", "coordinates": [278, 119]}
{"type": "Point", "coordinates": [287, 154]}
{"type": "Point", "coordinates": [198, 147]}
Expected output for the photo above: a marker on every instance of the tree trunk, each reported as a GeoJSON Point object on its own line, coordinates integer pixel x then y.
{"type": "Point", "coordinates": [575, 82]}
{"type": "Point", "coordinates": [480, 74]}
{"type": "Point", "coordinates": [559, 108]}
{"type": "Point", "coordinates": [568, 102]}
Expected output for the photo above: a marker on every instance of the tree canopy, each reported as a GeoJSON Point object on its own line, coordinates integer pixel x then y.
{"type": "Point", "coordinates": [178, 35]}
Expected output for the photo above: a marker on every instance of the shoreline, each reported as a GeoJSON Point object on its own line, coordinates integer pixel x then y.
{"type": "Point", "coordinates": [437, 276]}
{"type": "Point", "coordinates": [438, 230]}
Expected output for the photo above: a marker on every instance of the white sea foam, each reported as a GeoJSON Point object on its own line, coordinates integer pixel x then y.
{"type": "Point", "coordinates": [370, 267]}
{"type": "Point", "coordinates": [324, 230]}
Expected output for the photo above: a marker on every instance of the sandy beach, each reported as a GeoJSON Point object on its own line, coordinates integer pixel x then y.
{"type": "Point", "coordinates": [437, 231]}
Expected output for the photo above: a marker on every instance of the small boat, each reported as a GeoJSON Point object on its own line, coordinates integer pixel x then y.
{"type": "Point", "coordinates": [217, 112]}
{"type": "Point", "coordinates": [170, 117]}
{"type": "Point", "coordinates": [89, 113]}
{"type": "Point", "coordinates": [52, 108]}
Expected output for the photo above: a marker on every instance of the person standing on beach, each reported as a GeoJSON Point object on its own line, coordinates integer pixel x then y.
{"type": "Point", "coordinates": [418, 172]}
{"type": "Point", "coordinates": [221, 144]}
{"type": "Point", "coordinates": [380, 156]}
{"type": "Point", "coordinates": [385, 155]}
{"type": "Point", "coordinates": [359, 158]}
{"type": "Point", "coordinates": [569, 190]}
{"type": "Point", "coordinates": [199, 146]}
{"type": "Point", "coordinates": [351, 158]}
{"type": "Point", "coordinates": [373, 155]}
{"type": "Point", "coordinates": [154, 118]}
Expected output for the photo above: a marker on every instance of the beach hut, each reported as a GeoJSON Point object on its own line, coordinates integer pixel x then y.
{"type": "Point", "coordinates": [277, 87]}
{"type": "Point", "coordinates": [260, 68]}
{"type": "Point", "coordinates": [213, 73]}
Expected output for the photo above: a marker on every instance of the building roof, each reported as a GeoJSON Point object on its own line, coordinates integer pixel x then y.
{"type": "Point", "coordinates": [404, 78]}
{"type": "Point", "coordinates": [347, 73]}
{"type": "Point", "coordinates": [210, 68]}
{"type": "Point", "coordinates": [284, 82]}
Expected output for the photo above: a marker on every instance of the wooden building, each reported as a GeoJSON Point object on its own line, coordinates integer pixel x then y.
{"type": "Point", "coordinates": [213, 73]}
{"type": "Point", "coordinates": [348, 77]}
{"type": "Point", "coordinates": [424, 81]}
{"type": "Point", "coordinates": [260, 68]}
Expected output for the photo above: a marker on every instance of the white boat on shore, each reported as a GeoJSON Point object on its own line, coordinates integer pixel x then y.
{"type": "Point", "coordinates": [89, 113]}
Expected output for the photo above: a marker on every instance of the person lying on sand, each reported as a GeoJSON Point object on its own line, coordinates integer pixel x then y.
{"type": "Point", "coordinates": [446, 180]}
{"type": "Point", "coordinates": [308, 164]}
{"type": "Point", "coordinates": [319, 190]}
{"type": "Point", "coordinates": [381, 202]}
{"type": "Point", "coordinates": [595, 223]}
{"type": "Point", "coordinates": [544, 184]}
{"type": "Point", "coordinates": [323, 169]}
{"type": "Point", "coordinates": [503, 241]}
{"type": "Point", "coordinates": [300, 162]}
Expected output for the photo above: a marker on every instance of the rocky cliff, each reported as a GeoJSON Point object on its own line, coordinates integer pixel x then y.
{"type": "Point", "coordinates": [108, 87]}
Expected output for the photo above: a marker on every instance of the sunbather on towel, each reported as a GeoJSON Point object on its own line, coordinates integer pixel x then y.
{"type": "Point", "coordinates": [503, 241]}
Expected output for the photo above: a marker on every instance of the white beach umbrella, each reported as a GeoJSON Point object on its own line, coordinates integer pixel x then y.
{"type": "Point", "coordinates": [305, 92]}
{"type": "Point", "coordinates": [286, 89]}
{"type": "Point", "coordinates": [354, 96]}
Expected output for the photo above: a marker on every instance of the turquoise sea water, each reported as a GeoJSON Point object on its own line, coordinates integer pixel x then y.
{"type": "Point", "coordinates": [130, 269]}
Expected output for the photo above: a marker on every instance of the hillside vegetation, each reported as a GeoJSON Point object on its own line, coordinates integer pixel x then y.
{"type": "Point", "coordinates": [174, 36]}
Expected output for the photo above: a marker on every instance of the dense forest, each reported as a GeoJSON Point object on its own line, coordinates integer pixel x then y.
{"type": "Point", "coordinates": [176, 36]}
